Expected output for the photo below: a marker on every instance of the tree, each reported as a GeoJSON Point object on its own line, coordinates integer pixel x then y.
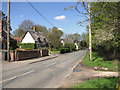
{"type": "Point", "coordinates": [26, 24]}
{"type": "Point", "coordinates": [42, 29]}
{"type": "Point", "coordinates": [87, 8]}
{"type": "Point", "coordinates": [54, 36]}
{"type": "Point", "coordinates": [19, 32]}
{"type": "Point", "coordinates": [105, 28]}
{"type": "Point", "coordinates": [23, 27]}
{"type": "Point", "coordinates": [69, 38]}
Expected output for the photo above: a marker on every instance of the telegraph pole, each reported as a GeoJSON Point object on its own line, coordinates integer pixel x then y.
{"type": "Point", "coordinates": [8, 29]}
{"type": "Point", "coordinates": [90, 40]}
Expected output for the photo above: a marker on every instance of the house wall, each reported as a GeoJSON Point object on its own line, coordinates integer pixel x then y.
{"type": "Point", "coordinates": [28, 38]}
{"type": "Point", "coordinates": [76, 46]}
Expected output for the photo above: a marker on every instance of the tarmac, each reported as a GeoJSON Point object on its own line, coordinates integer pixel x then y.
{"type": "Point", "coordinates": [14, 64]}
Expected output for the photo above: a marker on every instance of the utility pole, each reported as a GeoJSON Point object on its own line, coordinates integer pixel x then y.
{"type": "Point", "coordinates": [90, 40]}
{"type": "Point", "coordinates": [8, 29]}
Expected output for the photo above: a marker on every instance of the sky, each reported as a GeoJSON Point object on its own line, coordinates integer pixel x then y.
{"type": "Point", "coordinates": [65, 20]}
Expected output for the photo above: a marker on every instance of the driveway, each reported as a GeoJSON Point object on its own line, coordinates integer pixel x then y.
{"type": "Point", "coordinates": [44, 74]}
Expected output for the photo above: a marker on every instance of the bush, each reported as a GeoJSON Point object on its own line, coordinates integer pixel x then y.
{"type": "Point", "coordinates": [70, 46]}
{"type": "Point", "coordinates": [64, 50]}
{"type": "Point", "coordinates": [28, 45]}
{"type": "Point", "coordinates": [28, 49]}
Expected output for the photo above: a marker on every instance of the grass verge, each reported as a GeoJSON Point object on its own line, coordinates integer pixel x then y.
{"type": "Point", "coordinates": [105, 83]}
{"type": "Point", "coordinates": [98, 61]}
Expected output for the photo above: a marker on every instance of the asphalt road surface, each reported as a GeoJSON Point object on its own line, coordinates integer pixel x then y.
{"type": "Point", "coordinates": [45, 74]}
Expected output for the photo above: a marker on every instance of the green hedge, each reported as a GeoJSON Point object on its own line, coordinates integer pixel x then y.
{"type": "Point", "coordinates": [64, 50]}
{"type": "Point", "coordinates": [28, 46]}
{"type": "Point", "coordinates": [70, 46]}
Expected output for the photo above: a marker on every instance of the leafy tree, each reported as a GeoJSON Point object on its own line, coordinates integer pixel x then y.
{"type": "Point", "coordinates": [105, 28]}
{"type": "Point", "coordinates": [54, 36]}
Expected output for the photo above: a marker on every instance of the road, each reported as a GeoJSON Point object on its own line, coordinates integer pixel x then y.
{"type": "Point", "coordinates": [45, 74]}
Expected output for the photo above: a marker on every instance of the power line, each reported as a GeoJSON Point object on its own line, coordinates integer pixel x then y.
{"type": "Point", "coordinates": [40, 13]}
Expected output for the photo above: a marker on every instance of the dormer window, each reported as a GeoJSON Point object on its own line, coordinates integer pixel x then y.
{"type": "Point", "coordinates": [38, 39]}
{"type": "Point", "coordinates": [44, 39]}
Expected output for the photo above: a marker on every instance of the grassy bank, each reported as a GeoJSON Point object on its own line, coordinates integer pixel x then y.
{"type": "Point", "coordinates": [99, 83]}
{"type": "Point", "coordinates": [98, 61]}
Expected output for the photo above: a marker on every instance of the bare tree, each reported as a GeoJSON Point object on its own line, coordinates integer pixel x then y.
{"type": "Point", "coordinates": [86, 6]}
{"type": "Point", "coordinates": [23, 27]}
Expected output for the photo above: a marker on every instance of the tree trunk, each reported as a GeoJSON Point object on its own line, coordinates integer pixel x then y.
{"type": "Point", "coordinates": [90, 41]}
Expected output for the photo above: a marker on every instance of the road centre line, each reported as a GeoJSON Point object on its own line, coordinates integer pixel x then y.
{"type": "Point", "coordinates": [33, 70]}
{"type": "Point", "coordinates": [60, 61]}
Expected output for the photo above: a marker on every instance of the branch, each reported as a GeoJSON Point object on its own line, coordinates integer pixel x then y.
{"type": "Point", "coordinates": [76, 8]}
{"type": "Point", "coordinates": [85, 6]}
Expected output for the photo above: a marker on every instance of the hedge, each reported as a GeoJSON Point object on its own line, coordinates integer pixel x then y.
{"type": "Point", "coordinates": [64, 50]}
{"type": "Point", "coordinates": [28, 46]}
{"type": "Point", "coordinates": [70, 46]}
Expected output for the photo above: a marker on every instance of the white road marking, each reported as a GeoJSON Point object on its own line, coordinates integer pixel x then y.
{"type": "Point", "coordinates": [17, 76]}
{"type": "Point", "coordinates": [60, 61]}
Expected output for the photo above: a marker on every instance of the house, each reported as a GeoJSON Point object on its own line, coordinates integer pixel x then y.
{"type": "Point", "coordinates": [3, 36]}
{"type": "Point", "coordinates": [33, 36]}
{"type": "Point", "coordinates": [18, 39]}
{"type": "Point", "coordinates": [76, 42]}
{"type": "Point", "coordinates": [3, 40]}
{"type": "Point", "coordinates": [62, 42]}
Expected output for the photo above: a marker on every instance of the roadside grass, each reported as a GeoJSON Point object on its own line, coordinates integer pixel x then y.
{"type": "Point", "coordinates": [98, 61]}
{"type": "Point", "coordinates": [105, 83]}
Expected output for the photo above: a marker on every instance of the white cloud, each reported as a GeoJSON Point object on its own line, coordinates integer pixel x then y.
{"type": "Point", "coordinates": [21, 15]}
{"type": "Point", "coordinates": [60, 29]}
{"type": "Point", "coordinates": [60, 17]}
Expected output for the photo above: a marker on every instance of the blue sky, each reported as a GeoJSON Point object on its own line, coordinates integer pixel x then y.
{"type": "Point", "coordinates": [53, 11]}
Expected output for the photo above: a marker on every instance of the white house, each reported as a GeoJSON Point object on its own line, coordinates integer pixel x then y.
{"type": "Point", "coordinates": [76, 44]}
{"type": "Point", "coordinates": [38, 38]}
{"type": "Point", "coordinates": [62, 42]}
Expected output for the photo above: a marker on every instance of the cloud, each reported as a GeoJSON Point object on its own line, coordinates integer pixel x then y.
{"type": "Point", "coordinates": [21, 15]}
{"type": "Point", "coordinates": [60, 29]}
{"type": "Point", "coordinates": [60, 17]}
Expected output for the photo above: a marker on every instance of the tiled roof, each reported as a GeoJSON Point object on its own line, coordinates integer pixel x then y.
{"type": "Point", "coordinates": [37, 35]}
{"type": "Point", "coordinates": [18, 38]}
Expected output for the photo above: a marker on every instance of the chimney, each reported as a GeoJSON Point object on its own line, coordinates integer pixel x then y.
{"type": "Point", "coordinates": [34, 28]}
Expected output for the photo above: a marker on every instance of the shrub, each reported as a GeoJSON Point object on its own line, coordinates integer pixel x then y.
{"type": "Point", "coordinates": [28, 45]}
{"type": "Point", "coordinates": [64, 50]}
